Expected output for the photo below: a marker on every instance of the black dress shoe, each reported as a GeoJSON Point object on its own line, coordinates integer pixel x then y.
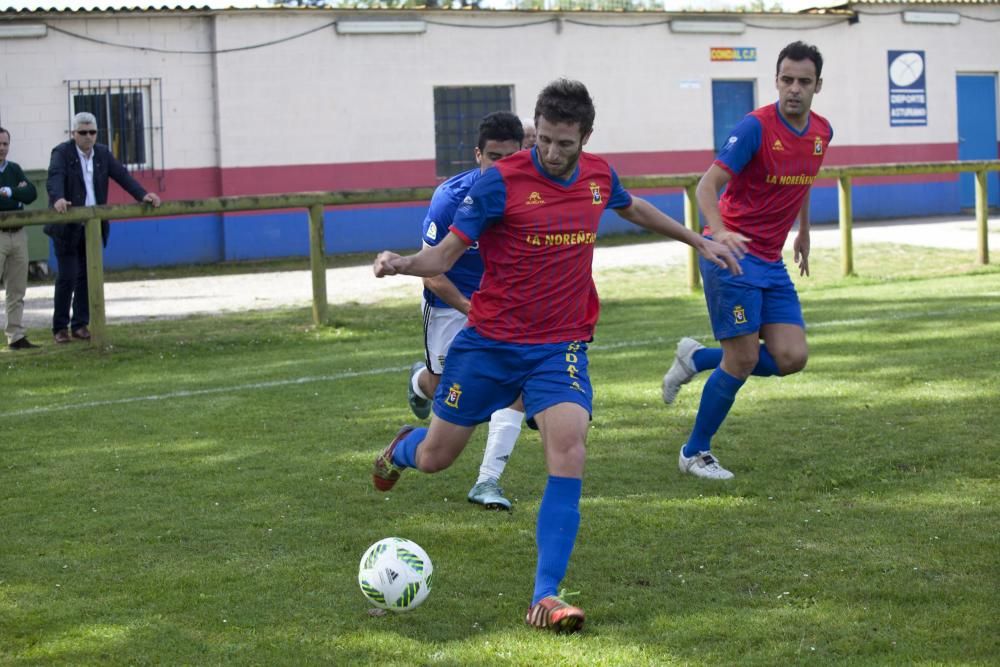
{"type": "Point", "coordinates": [22, 344]}
{"type": "Point", "coordinates": [83, 333]}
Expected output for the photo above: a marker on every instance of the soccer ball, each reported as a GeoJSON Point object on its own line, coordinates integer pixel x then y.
{"type": "Point", "coordinates": [395, 574]}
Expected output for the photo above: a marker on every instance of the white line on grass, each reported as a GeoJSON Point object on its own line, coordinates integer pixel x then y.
{"type": "Point", "coordinates": [202, 392]}
{"type": "Point", "coordinates": [399, 369]}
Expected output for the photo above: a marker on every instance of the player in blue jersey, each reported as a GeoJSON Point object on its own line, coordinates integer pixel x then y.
{"type": "Point", "coordinates": [535, 216]}
{"type": "Point", "coordinates": [446, 306]}
{"type": "Point", "coordinates": [767, 169]}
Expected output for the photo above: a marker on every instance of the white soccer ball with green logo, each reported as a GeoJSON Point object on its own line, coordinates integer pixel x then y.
{"type": "Point", "coordinates": [395, 574]}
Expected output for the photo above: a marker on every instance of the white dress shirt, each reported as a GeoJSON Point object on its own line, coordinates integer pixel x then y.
{"type": "Point", "coordinates": [87, 165]}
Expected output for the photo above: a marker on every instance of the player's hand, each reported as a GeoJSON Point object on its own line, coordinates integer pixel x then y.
{"type": "Point", "coordinates": [735, 241]}
{"type": "Point", "coordinates": [385, 264]}
{"type": "Point", "coordinates": [721, 255]}
{"type": "Point", "coordinates": [801, 247]}
{"type": "Point", "coordinates": [61, 205]}
{"type": "Point", "coordinates": [152, 198]}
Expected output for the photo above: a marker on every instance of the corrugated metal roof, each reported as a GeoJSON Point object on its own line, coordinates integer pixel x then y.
{"type": "Point", "coordinates": [54, 6]}
{"type": "Point", "coordinates": [924, 2]}
{"type": "Point", "coordinates": [110, 5]}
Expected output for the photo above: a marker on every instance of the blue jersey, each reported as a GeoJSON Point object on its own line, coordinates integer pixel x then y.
{"type": "Point", "coordinates": [468, 270]}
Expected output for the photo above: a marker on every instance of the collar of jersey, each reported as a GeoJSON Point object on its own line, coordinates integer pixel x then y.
{"type": "Point", "coordinates": [777, 109]}
{"type": "Point", "coordinates": [538, 165]}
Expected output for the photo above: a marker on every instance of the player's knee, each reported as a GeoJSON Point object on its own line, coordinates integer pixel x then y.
{"type": "Point", "coordinates": [443, 444]}
{"type": "Point", "coordinates": [792, 361]}
{"type": "Point", "coordinates": [740, 366]}
{"type": "Point", "coordinates": [433, 461]}
{"type": "Point", "coordinates": [568, 452]}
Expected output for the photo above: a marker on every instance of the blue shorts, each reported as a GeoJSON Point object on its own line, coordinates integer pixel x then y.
{"type": "Point", "coordinates": [739, 305]}
{"type": "Point", "coordinates": [482, 376]}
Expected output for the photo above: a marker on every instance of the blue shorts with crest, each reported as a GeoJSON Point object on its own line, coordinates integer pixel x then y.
{"type": "Point", "coordinates": [482, 376]}
{"type": "Point", "coordinates": [739, 305]}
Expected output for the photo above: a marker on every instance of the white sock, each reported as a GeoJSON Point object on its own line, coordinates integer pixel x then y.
{"type": "Point", "coordinates": [416, 385]}
{"type": "Point", "coordinates": [505, 426]}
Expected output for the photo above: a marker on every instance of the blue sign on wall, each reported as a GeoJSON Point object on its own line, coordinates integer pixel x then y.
{"type": "Point", "coordinates": [907, 88]}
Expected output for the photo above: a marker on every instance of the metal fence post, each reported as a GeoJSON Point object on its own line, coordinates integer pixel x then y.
{"type": "Point", "coordinates": [846, 225]}
{"type": "Point", "coordinates": [982, 222]}
{"type": "Point", "coordinates": [692, 222]}
{"type": "Point", "coordinates": [317, 262]}
{"type": "Point", "coordinates": [95, 282]}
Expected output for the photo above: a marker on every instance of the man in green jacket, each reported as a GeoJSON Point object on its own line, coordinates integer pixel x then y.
{"type": "Point", "coordinates": [15, 191]}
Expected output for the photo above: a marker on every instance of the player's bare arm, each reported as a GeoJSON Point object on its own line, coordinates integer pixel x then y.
{"type": "Point", "coordinates": [430, 261]}
{"type": "Point", "coordinates": [707, 194]}
{"type": "Point", "coordinates": [647, 216]}
{"type": "Point", "coordinates": [801, 243]}
{"type": "Point", "coordinates": [445, 290]}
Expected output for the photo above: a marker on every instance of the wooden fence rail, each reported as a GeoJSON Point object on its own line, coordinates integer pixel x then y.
{"type": "Point", "coordinates": [315, 203]}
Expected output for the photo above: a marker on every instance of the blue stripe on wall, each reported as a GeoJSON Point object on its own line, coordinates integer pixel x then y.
{"type": "Point", "coordinates": [234, 237]}
{"type": "Point", "coordinates": [164, 242]}
{"type": "Point", "coordinates": [899, 200]}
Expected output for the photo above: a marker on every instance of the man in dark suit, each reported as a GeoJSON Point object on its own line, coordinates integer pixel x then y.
{"type": "Point", "coordinates": [79, 171]}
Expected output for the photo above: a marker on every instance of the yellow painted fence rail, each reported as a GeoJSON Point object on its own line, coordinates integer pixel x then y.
{"type": "Point", "coordinates": [315, 203]}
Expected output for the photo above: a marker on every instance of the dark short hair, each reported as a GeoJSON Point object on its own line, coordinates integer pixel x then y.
{"type": "Point", "coordinates": [500, 126]}
{"type": "Point", "coordinates": [4, 130]}
{"type": "Point", "coordinates": [566, 101]}
{"type": "Point", "coordinates": [801, 51]}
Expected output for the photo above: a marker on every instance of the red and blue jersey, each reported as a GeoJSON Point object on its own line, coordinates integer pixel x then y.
{"type": "Point", "coordinates": [773, 166]}
{"type": "Point", "coordinates": [536, 238]}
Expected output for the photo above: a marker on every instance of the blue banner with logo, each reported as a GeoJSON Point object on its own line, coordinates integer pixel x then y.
{"type": "Point", "coordinates": [907, 88]}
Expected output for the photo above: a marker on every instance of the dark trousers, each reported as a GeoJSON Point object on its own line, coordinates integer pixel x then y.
{"type": "Point", "coordinates": [71, 288]}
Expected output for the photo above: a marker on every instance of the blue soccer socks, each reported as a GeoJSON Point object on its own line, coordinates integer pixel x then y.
{"type": "Point", "coordinates": [555, 533]}
{"type": "Point", "coordinates": [716, 399]}
{"type": "Point", "coordinates": [766, 365]}
{"type": "Point", "coordinates": [706, 357]}
{"type": "Point", "coordinates": [405, 455]}
{"type": "Point", "coordinates": [711, 357]}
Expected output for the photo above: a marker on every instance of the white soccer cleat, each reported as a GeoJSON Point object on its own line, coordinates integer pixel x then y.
{"type": "Point", "coordinates": [489, 495]}
{"type": "Point", "coordinates": [682, 369]}
{"type": "Point", "coordinates": [703, 465]}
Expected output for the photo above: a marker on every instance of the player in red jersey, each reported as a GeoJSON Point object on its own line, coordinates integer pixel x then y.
{"type": "Point", "coordinates": [535, 216]}
{"type": "Point", "coordinates": [767, 168]}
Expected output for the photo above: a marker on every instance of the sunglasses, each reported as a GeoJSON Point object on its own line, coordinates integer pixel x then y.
{"type": "Point", "coordinates": [90, 132]}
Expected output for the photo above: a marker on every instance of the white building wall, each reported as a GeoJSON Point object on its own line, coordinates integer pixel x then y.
{"type": "Point", "coordinates": [856, 96]}
{"type": "Point", "coordinates": [327, 98]}
{"type": "Point", "coordinates": [34, 99]}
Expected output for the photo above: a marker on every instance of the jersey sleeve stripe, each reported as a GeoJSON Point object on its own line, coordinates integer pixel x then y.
{"type": "Point", "coordinates": [460, 234]}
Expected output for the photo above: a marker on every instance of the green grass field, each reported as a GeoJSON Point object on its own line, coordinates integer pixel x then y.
{"type": "Point", "coordinates": [200, 493]}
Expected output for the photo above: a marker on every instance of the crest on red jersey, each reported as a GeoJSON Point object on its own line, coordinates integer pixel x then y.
{"type": "Point", "coordinates": [818, 146]}
{"type": "Point", "coordinates": [595, 190]}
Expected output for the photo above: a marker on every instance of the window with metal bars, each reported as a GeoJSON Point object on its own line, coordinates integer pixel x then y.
{"type": "Point", "coordinates": [129, 115]}
{"type": "Point", "coordinates": [457, 113]}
